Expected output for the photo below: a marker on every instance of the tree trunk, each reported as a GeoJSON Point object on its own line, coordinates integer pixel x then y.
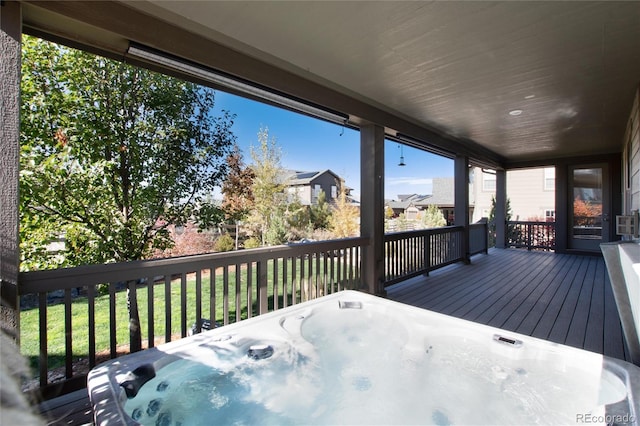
{"type": "Point", "coordinates": [135, 336]}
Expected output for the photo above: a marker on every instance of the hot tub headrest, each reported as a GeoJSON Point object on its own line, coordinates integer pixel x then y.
{"type": "Point", "coordinates": [136, 378]}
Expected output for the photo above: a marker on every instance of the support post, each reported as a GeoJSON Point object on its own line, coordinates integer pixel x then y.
{"type": "Point", "coordinates": [461, 201]}
{"type": "Point", "coordinates": [372, 207]}
{"type": "Point", "coordinates": [500, 214]}
{"type": "Point", "coordinates": [10, 45]}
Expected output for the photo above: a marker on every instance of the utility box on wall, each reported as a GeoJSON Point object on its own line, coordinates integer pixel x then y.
{"type": "Point", "coordinates": [627, 225]}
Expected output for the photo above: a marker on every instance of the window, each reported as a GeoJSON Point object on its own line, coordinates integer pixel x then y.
{"type": "Point", "coordinates": [488, 181]}
{"type": "Point", "coordinates": [334, 192]}
{"type": "Point", "coordinates": [316, 193]}
{"type": "Point", "coordinates": [550, 179]}
{"type": "Point", "coordinates": [550, 215]}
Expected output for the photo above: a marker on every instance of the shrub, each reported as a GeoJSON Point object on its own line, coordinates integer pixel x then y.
{"type": "Point", "coordinates": [224, 243]}
{"type": "Point", "coordinates": [252, 242]}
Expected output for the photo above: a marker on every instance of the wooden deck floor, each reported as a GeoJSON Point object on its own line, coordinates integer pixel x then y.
{"type": "Point", "coordinates": [562, 298]}
{"type": "Point", "coordinates": [558, 297]}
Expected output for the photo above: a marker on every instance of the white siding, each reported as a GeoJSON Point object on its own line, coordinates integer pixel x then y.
{"type": "Point", "coordinates": [631, 183]}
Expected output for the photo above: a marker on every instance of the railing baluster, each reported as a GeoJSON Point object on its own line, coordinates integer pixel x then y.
{"type": "Point", "coordinates": [263, 302]}
{"type": "Point", "coordinates": [249, 289]}
{"type": "Point", "coordinates": [199, 301]}
{"type": "Point", "coordinates": [68, 337]}
{"type": "Point", "coordinates": [225, 294]}
{"type": "Point", "coordinates": [112, 321]}
{"type": "Point", "coordinates": [42, 317]}
{"type": "Point", "coordinates": [285, 285]}
{"type": "Point", "coordinates": [167, 308]}
{"type": "Point", "coordinates": [91, 314]}
{"type": "Point", "coordinates": [150, 313]}
{"type": "Point", "coordinates": [294, 280]}
{"type": "Point", "coordinates": [183, 304]}
{"type": "Point", "coordinates": [316, 276]}
{"type": "Point", "coordinates": [238, 293]}
{"type": "Point", "coordinates": [274, 284]}
{"type": "Point", "coordinates": [351, 263]}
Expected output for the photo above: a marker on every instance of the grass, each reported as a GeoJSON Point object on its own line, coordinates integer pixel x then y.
{"type": "Point", "coordinates": [29, 328]}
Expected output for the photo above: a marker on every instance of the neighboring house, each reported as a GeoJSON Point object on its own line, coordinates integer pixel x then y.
{"type": "Point", "coordinates": [308, 185]}
{"type": "Point", "coordinates": [531, 193]}
{"type": "Point", "coordinates": [408, 204]}
{"type": "Point", "coordinates": [442, 196]}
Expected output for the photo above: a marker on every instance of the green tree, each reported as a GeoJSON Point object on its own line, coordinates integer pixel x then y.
{"type": "Point", "coordinates": [511, 229]}
{"type": "Point", "coordinates": [268, 189]}
{"type": "Point", "coordinates": [320, 212]}
{"type": "Point", "coordinates": [111, 155]}
{"type": "Point", "coordinates": [433, 217]}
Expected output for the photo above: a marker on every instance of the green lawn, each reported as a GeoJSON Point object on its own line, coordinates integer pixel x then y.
{"type": "Point", "coordinates": [29, 327]}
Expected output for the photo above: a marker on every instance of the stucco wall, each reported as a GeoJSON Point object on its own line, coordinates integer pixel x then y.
{"type": "Point", "coordinates": [10, 34]}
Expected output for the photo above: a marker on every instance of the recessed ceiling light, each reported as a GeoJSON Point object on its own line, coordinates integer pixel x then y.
{"type": "Point", "coordinates": [530, 96]}
{"type": "Point", "coordinates": [515, 112]}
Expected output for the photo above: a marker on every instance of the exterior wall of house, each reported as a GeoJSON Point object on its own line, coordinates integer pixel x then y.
{"type": "Point", "coordinates": [325, 182]}
{"type": "Point", "coordinates": [302, 192]}
{"type": "Point", "coordinates": [308, 193]}
{"type": "Point", "coordinates": [631, 158]}
{"type": "Point", "coordinates": [529, 197]}
{"type": "Point", "coordinates": [481, 193]}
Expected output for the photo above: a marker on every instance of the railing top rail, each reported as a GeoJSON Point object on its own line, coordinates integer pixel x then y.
{"type": "Point", "coordinates": [426, 231]}
{"type": "Point", "coordinates": [31, 282]}
{"type": "Point", "coordinates": [529, 222]}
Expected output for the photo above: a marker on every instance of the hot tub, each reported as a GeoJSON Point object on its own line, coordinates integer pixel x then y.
{"type": "Point", "coordinates": [353, 358]}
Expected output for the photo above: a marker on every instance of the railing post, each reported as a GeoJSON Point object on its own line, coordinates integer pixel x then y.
{"type": "Point", "coordinates": [461, 202]}
{"type": "Point", "coordinates": [500, 215]}
{"type": "Point", "coordinates": [372, 207]}
{"type": "Point", "coordinates": [263, 302]}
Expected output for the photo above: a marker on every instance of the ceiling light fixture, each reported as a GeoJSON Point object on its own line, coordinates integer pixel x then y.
{"type": "Point", "coordinates": [515, 112]}
{"type": "Point", "coordinates": [234, 84]}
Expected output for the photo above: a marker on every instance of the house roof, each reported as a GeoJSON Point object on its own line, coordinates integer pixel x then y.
{"type": "Point", "coordinates": [442, 195]}
{"type": "Point", "coordinates": [305, 178]}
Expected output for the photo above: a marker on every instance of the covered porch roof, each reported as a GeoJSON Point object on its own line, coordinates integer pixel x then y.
{"type": "Point", "coordinates": [505, 83]}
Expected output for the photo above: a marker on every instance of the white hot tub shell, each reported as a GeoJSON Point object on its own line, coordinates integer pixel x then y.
{"type": "Point", "coordinates": [353, 358]}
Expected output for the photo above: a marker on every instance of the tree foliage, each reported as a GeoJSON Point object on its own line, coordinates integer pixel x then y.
{"type": "Point", "coordinates": [238, 200]}
{"type": "Point", "coordinates": [108, 150]}
{"type": "Point", "coordinates": [584, 212]}
{"type": "Point", "coordinates": [268, 190]}
{"type": "Point", "coordinates": [320, 212]}
{"type": "Point", "coordinates": [433, 217]}
{"type": "Point", "coordinates": [343, 222]}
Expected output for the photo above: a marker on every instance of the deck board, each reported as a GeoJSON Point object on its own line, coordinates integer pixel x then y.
{"type": "Point", "coordinates": [563, 298]}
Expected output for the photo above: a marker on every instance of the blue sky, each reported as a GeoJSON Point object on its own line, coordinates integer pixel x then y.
{"type": "Point", "coordinates": [310, 144]}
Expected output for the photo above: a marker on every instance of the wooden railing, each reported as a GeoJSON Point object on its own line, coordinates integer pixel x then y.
{"type": "Point", "coordinates": [478, 238]}
{"type": "Point", "coordinates": [173, 297]}
{"type": "Point", "coordinates": [412, 253]}
{"type": "Point", "coordinates": [531, 235]}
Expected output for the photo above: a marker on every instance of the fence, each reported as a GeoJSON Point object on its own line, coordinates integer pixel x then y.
{"type": "Point", "coordinates": [532, 235]}
{"type": "Point", "coordinates": [413, 253]}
